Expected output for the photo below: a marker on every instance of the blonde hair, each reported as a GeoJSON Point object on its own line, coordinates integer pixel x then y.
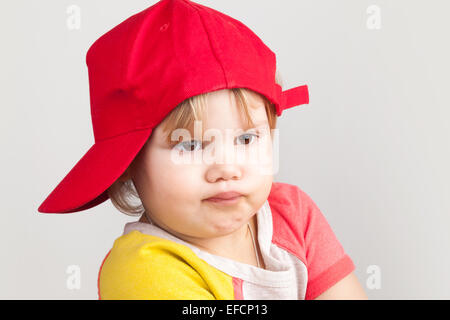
{"type": "Point", "coordinates": [123, 193]}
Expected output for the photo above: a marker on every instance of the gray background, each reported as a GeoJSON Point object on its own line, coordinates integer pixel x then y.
{"type": "Point", "coordinates": [371, 148]}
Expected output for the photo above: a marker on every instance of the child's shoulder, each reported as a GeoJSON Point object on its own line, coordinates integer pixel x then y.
{"type": "Point", "coordinates": [289, 200]}
{"type": "Point", "coordinates": [136, 248]}
{"type": "Point", "coordinates": [143, 266]}
{"type": "Point", "coordinates": [137, 244]}
{"type": "Point", "coordinates": [295, 218]}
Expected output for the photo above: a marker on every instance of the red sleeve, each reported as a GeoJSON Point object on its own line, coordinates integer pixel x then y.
{"type": "Point", "coordinates": [326, 260]}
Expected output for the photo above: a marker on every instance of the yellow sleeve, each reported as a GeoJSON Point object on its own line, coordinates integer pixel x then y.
{"type": "Point", "coordinates": [141, 266]}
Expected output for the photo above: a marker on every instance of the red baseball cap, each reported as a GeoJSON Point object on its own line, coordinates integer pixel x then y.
{"type": "Point", "coordinates": [147, 65]}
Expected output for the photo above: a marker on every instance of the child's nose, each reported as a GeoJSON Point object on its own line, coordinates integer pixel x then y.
{"type": "Point", "coordinates": [223, 172]}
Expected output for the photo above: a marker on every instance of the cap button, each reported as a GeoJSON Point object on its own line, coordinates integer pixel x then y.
{"type": "Point", "coordinates": [164, 27]}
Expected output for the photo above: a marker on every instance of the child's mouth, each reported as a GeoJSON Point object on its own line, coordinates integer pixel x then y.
{"type": "Point", "coordinates": [224, 201]}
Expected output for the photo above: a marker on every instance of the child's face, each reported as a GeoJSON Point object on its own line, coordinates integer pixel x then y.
{"type": "Point", "coordinates": [174, 193]}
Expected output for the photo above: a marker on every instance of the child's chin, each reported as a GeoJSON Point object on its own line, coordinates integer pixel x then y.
{"type": "Point", "coordinates": [224, 228]}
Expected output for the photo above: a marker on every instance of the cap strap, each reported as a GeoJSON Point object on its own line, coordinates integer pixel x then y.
{"type": "Point", "coordinates": [292, 97]}
{"type": "Point", "coordinates": [295, 97]}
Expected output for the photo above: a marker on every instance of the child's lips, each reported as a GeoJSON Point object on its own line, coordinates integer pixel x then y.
{"type": "Point", "coordinates": [225, 198]}
{"type": "Point", "coordinates": [221, 201]}
{"type": "Point", "coordinates": [229, 195]}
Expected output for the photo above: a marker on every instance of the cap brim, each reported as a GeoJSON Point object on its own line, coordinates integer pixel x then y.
{"type": "Point", "coordinates": [85, 185]}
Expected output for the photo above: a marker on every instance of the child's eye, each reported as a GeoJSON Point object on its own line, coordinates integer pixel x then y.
{"type": "Point", "coordinates": [191, 145]}
{"type": "Point", "coordinates": [187, 144]}
{"type": "Point", "coordinates": [248, 136]}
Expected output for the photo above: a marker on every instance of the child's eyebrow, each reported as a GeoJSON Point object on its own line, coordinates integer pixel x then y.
{"type": "Point", "coordinates": [256, 124]}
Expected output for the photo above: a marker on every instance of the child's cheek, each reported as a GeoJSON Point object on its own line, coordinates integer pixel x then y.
{"type": "Point", "coordinates": [183, 181]}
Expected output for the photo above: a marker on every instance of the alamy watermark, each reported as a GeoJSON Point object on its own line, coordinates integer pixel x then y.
{"type": "Point", "coordinates": [73, 281]}
{"type": "Point", "coordinates": [73, 21]}
{"type": "Point", "coordinates": [262, 151]}
{"type": "Point", "coordinates": [373, 21]}
{"type": "Point", "coordinates": [373, 281]}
